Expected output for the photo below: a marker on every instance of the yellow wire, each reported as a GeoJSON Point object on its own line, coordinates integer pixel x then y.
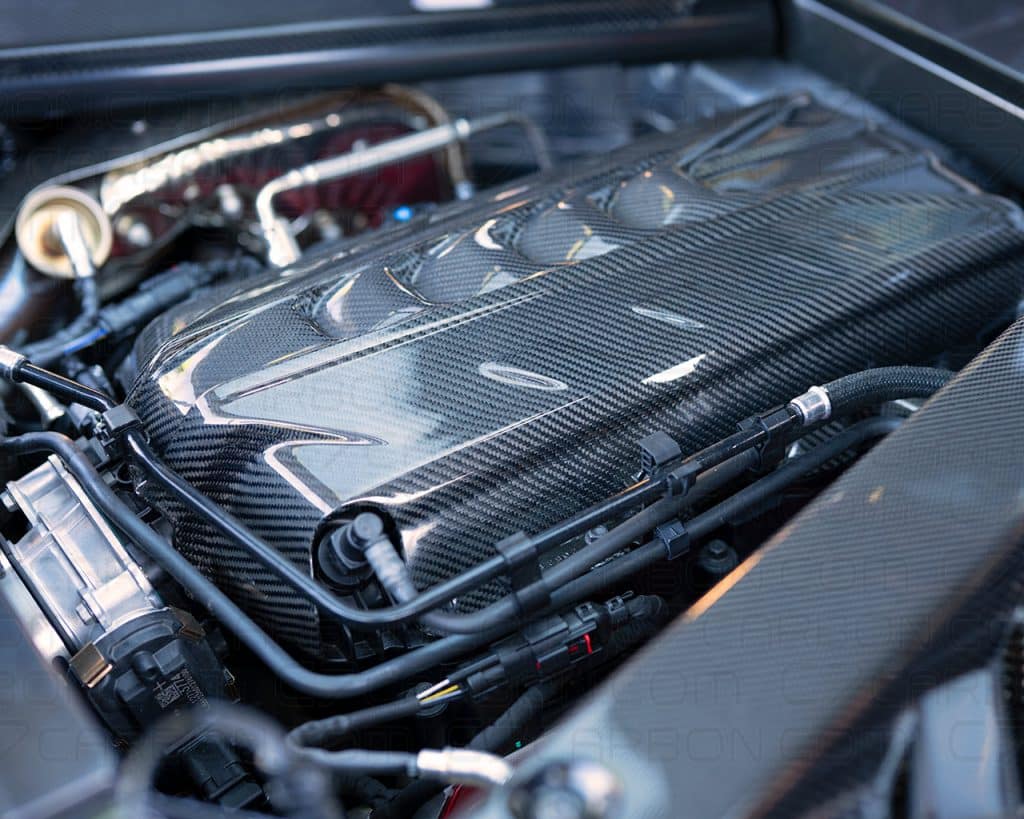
{"type": "Point", "coordinates": [451, 689]}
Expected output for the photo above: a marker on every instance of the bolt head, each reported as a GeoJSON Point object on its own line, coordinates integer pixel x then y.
{"type": "Point", "coordinates": [366, 528]}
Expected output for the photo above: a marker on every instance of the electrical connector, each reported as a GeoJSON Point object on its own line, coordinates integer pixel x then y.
{"type": "Point", "coordinates": [547, 647]}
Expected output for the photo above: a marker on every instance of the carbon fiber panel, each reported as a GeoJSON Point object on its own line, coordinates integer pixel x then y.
{"type": "Point", "coordinates": [777, 691]}
{"type": "Point", "coordinates": [490, 368]}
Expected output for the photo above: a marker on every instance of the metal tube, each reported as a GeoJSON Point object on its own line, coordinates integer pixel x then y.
{"type": "Point", "coordinates": [282, 249]}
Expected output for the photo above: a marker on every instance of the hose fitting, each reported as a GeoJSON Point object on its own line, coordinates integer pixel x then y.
{"type": "Point", "coordinates": [813, 406]}
{"type": "Point", "coordinates": [10, 361]}
{"type": "Point", "coordinates": [462, 766]}
{"type": "Point", "coordinates": [862, 390]}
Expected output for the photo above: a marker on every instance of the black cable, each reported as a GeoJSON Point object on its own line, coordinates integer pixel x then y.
{"type": "Point", "coordinates": [646, 618]}
{"type": "Point", "coordinates": [852, 392]}
{"type": "Point", "coordinates": [790, 471]}
{"type": "Point", "coordinates": [48, 350]}
{"type": "Point", "coordinates": [619, 538]}
{"type": "Point", "coordinates": [500, 734]}
{"type": "Point", "coordinates": [711, 481]}
{"type": "Point", "coordinates": [153, 296]}
{"type": "Point", "coordinates": [326, 686]}
{"type": "Point", "coordinates": [364, 763]}
{"type": "Point", "coordinates": [420, 607]}
{"type": "Point", "coordinates": [422, 659]}
{"type": "Point", "coordinates": [496, 614]}
{"type": "Point", "coordinates": [868, 388]}
{"type": "Point", "coordinates": [478, 625]}
{"type": "Point", "coordinates": [423, 606]}
{"type": "Point", "coordinates": [622, 536]}
{"type": "Point", "coordinates": [207, 510]}
{"type": "Point", "coordinates": [332, 729]}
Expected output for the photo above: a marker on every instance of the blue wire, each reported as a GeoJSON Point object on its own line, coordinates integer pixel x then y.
{"type": "Point", "coordinates": [83, 341]}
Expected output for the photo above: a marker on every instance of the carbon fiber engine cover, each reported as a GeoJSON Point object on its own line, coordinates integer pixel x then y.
{"type": "Point", "coordinates": [490, 367]}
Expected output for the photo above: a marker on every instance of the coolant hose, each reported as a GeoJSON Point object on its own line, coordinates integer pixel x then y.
{"type": "Point", "coordinates": [868, 388]}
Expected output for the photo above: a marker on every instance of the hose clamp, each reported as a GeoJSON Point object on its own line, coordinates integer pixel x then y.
{"type": "Point", "coordinates": [814, 406]}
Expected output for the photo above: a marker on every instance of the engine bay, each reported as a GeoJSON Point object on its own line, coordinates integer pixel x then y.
{"type": "Point", "coordinates": [353, 438]}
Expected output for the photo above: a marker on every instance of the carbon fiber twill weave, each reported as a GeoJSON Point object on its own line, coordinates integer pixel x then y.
{"type": "Point", "coordinates": [490, 368]}
{"type": "Point", "coordinates": [777, 693]}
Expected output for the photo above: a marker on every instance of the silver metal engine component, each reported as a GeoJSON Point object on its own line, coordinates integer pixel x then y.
{"type": "Point", "coordinates": [9, 360]}
{"type": "Point", "coordinates": [72, 562]}
{"type": "Point", "coordinates": [146, 200]}
{"type": "Point", "coordinates": [464, 766]}
{"type": "Point", "coordinates": [40, 238]}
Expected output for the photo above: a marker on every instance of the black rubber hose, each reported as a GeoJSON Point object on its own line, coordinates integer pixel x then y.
{"type": "Point", "coordinates": [422, 659]}
{"type": "Point", "coordinates": [790, 471]}
{"type": "Point", "coordinates": [869, 388]}
{"type": "Point", "coordinates": [714, 479]}
{"type": "Point", "coordinates": [364, 763]}
{"type": "Point", "coordinates": [266, 555]}
{"type": "Point", "coordinates": [527, 708]}
{"type": "Point", "coordinates": [66, 389]}
{"type": "Point", "coordinates": [424, 606]}
{"type": "Point", "coordinates": [578, 564]}
{"type": "Point", "coordinates": [860, 386]}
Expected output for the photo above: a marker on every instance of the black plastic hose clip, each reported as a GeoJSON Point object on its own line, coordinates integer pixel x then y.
{"type": "Point", "coordinates": [675, 537]}
{"type": "Point", "coordinates": [775, 423]}
{"type": "Point", "coordinates": [113, 424]}
{"type": "Point", "coordinates": [523, 569]}
{"type": "Point", "coordinates": [658, 452]}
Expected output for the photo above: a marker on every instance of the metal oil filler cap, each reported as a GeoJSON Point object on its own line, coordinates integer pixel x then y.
{"type": "Point", "coordinates": [37, 235]}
